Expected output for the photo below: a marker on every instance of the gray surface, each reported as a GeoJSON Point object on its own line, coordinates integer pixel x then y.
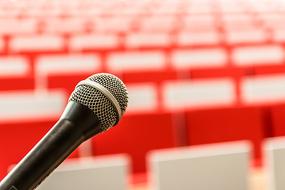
{"type": "Point", "coordinates": [99, 174]}
{"type": "Point", "coordinates": [275, 163]}
{"type": "Point", "coordinates": [214, 167]}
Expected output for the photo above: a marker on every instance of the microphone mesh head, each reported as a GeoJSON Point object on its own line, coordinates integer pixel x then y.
{"type": "Point", "coordinates": [98, 102]}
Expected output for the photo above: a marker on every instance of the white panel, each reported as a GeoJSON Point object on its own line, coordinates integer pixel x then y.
{"type": "Point", "coordinates": [7, 14]}
{"type": "Point", "coordinates": [68, 25]}
{"type": "Point", "coordinates": [207, 10]}
{"type": "Point", "coordinates": [216, 167]}
{"type": "Point", "coordinates": [274, 150]}
{"type": "Point", "coordinates": [147, 40]}
{"type": "Point", "coordinates": [246, 36]}
{"type": "Point", "coordinates": [263, 89]}
{"type": "Point", "coordinates": [233, 9]}
{"type": "Point", "coordinates": [86, 14]}
{"type": "Point", "coordinates": [198, 38]}
{"type": "Point", "coordinates": [37, 12]}
{"type": "Point", "coordinates": [200, 93]}
{"type": "Point", "coordinates": [158, 24]}
{"type": "Point", "coordinates": [16, 26]}
{"type": "Point", "coordinates": [142, 97]}
{"type": "Point", "coordinates": [73, 63]}
{"type": "Point", "coordinates": [90, 41]}
{"type": "Point", "coordinates": [108, 173]}
{"type": "Point", "coordinates": [14, 66]}
{"type": "Point", "coordinates": [37, 43]}
{"type": "Point", "coordinates": [112, 24]}
{"type": "Point", "coordinates": [278, 35]}
{"type": "Point", "coordinates": [30, 105]}
{"type": "Point", "coordinates": [199, 21]}
{"type": "Point", "coordinates": [273, 20]}
{"type": "Point", "coordinates": [258, 55]}
{"type": "Point", "coordinates": [200, 58]}
{"type": "Point", "coordinates": [153, 60]}
{"type": "Point", "coordinates": [167, 9]}
{"type": "Point", "coordinates": [237, 18]}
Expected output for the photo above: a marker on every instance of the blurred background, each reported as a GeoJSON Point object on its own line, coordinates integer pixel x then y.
{"type": "Point", "coordinates": [198, 72]}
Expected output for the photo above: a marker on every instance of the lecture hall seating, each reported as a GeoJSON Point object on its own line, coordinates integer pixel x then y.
{"type": "Point", "coordinates": [216, 46]}
{"type": "Point", "coordinates": [136, 135]}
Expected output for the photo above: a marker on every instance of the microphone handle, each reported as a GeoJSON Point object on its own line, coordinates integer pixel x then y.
{"type": "Point", "coordinates": [77, 124]}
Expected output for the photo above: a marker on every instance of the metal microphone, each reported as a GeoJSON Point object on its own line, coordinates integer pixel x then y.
{"type": "Point", "coordinates": [95, 105]}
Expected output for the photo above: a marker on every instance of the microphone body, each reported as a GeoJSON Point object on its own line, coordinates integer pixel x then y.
{"type": "Point", "coordinates": [96, 104]}
{"type": "Point", "coordinates": [62, 139]}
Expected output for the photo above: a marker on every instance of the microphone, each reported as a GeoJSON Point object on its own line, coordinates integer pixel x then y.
{"type": "Point", "coordinates": [96, 104]}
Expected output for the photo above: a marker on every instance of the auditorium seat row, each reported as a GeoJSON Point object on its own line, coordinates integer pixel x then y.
{"type": "Point", "coordinates": [183, 168]}
{"type": "Point", "coordinates": [118, 27]}
{"type": "Point", "coordinates": [170, 95]}
{"type": "Point", "coordinates": [90, 173]}
{"type": "Point", "coordinates": [148, 60]}
{"type": "Point", "coordinates": [219, 166]}
{"type": "Point", "coordinates": [55, 43]}
{"type": "Point", "coordinates": [137, 134]}
{"type": "Point", "coordinates": [197, 71]}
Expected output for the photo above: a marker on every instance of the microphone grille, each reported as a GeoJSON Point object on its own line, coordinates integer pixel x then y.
{"type": "Point", "coordinates": [115, 86]}
{"type": "Point", "coordinates": [89, 93]}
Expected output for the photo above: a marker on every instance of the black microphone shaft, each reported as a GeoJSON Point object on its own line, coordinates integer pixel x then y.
{"type": "Point", "coordinates": [77, 124]}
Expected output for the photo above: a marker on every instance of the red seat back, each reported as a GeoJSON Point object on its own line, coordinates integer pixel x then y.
{"type": "Point", "coordinates": [278, 120]}
{"type": "Point", "coordinates": [136, 135]}
{"type": "Point", "coordinates": [227, 124]}
{"type": "Point", "coordinates": [17, 139]}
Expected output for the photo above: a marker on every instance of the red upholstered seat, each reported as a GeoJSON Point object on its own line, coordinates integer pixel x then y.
{"type": "Point", "coordinates": [278, 120]}
{"type": "Point", "coordinates": [17, 83]}
{"type": "Point", "coordinates": [228, 124]}
{"type": "Point", "coordinates": [17, 138]}
{"type": "Point", "coordinates": [150, 76]}
{"type": "Point", "coordinates": [272, 69]}
{"type": "Point", "coordinates": [136, 135]}
{"type": "Point", "coordinates": [218, 72]}
{"type": "Point", "coordinates": [66, 81]}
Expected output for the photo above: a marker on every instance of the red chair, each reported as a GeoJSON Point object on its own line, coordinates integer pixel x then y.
{"type": "Point", "coordinates": [227, 124]}
{"type": "Point", "coordinates": [278, 120]}
{"type": "Point", "coordinates": [272, 69]}
{"type": "Point", "coordinates": [17, 139]}
{"type": "Point", "coordinates": [218, 72]}
{"type": "Point", "coordinates": [149, 76]}
{"type": "Point", "coordinates": [66, 81]}
{"type": "Point", "coordinates": [136, 135]}
{"type": "Point", "coordinates": [17, 83]}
